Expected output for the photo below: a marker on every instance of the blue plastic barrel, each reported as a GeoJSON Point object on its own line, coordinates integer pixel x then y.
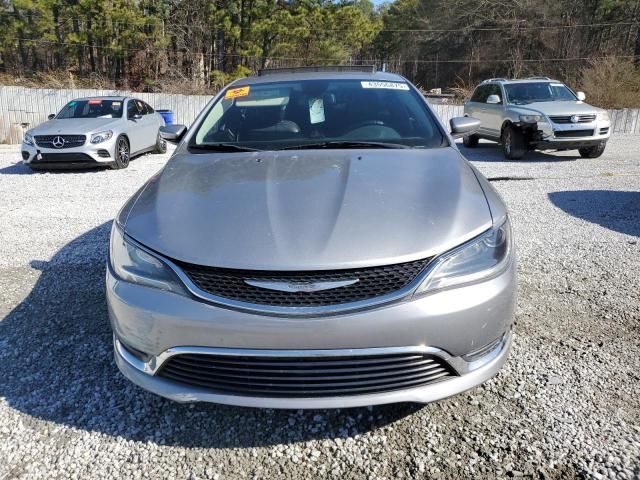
{"type": "Point", "coordinates": [167, 115]}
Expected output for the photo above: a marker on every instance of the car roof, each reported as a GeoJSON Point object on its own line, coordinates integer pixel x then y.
{"type": "Point", "coordinates": [288, 76]}
{"type": "Point", "coordinates": [520, 80]}
{"type": "Point", "coordinates": [102, 97]}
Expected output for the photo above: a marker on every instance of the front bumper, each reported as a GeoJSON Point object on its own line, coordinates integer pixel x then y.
{"type": "Point", "coordinates": [87, 155]}
{"type": "Point", "coordinates": [489, 365]}
{"type": "Point", "coordinates": [548, 135]}
{"type": "Point", "coordinates": [451, 323]}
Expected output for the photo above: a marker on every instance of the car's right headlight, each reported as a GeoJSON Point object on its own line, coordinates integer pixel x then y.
{"type": "Point", "coordinates": [135, 265]}
{"type": "Point", "coordinates": [480, 259]}
{"type": "Point", "coordinates": [101, 136]}
{"type": "Point", "coordinates": [531, 118]}
{"type": "Point", "coordinates": [28, 139]}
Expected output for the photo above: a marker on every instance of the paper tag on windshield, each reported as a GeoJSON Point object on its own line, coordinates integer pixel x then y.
{"type": "Point", "coordinates": [386, 85]}
{"type": "Point", "coordinates": [236, 92]}
{"type": "Point", "coordinates": [316, 110]}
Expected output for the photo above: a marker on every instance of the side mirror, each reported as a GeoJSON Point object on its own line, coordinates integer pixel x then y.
{"type": "Point", "coordinates": [173, 133]}
{"type": "Point", "coordinates": [581, 96]}
{"type": "Point", "coordinates": [463, 126]}
{"type": "Point", "coordinates": [493, 99]}
{"type": "Point", "coordinates": [51, 116]}
{"type": "Point", "coordinates": [135, 116]}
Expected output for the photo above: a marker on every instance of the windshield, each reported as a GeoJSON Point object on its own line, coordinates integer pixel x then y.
{"type": "Point", "coordinates": [523, 93]}
{"type": "Point", "coordinates": [323, 113]}
{"type": "Point", "coordinates": [93, 108]}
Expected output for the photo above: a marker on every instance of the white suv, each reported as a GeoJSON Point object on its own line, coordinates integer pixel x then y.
{"type": "Point", "coordinates": [536, 113]}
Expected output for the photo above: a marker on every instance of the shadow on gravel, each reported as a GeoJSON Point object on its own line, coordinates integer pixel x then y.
{"type": "Point", "coordinates": [491, 152]}
{"type": "Point", "coordinates": [16, 169]}
{"type": "Point", "coordinates": [615, 210]}
{"type": "Point", "coordinates": [56, 364]}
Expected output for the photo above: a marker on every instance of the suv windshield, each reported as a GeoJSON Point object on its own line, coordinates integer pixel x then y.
{"type": "Point", "coordinates": [93, 108]}
{"type": "Point", "coordinates": [530, 92]}
{"type": "Point", "coordinates": [321, 114]}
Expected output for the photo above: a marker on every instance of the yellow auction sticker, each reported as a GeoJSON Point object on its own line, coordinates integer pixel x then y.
{"type": "Point", "coordinates": [236, 92]}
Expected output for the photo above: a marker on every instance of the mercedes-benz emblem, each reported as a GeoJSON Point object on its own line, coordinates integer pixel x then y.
{"type": "Point", "coordinates": [57, 142]}
{"type": "Point", "coordinates": [574, 118]}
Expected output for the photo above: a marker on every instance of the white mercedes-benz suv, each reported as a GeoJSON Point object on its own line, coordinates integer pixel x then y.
{"type": "Point", "coordinates": [95, 131]}
{"type": "Point", "coordinates": [536, 113]}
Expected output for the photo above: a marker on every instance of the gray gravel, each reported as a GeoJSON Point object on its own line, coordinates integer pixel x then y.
{"type": "Point", "coordinates": [566, 405]}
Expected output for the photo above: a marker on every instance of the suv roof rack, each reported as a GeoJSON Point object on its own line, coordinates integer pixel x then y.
{"type": "Point", "coordinates": [538, 78]}
{"type": "Point", "coordinates": [498, 79]}
{"type": "Point", "coordinates": [329, 68]}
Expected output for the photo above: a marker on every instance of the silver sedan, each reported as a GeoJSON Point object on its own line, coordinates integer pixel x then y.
{"type": "Point", "coordinates": [317, 240]}
{"type": "Point", "coordinates": [94, 131]}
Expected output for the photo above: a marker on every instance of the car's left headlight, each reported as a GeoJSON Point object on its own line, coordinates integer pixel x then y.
{"type": "Point", "coordinates": [101, 136]}
{"type": "Point", "coordinates": [604, 116]}
{"type": "Point", "coordinates": [135, 265]}
{"type": "Point", "coordinates": [480, 259]}
{"type": "Point", "coordinates": [28, 139]}
{"type": "Point", "coordinates": [531, 118]}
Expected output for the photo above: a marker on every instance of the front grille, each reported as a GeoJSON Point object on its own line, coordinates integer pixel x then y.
{"type": "Point", "coordinates": [372, 282]}
{"type": "Point", "coordinates": [310, 376]}
{"type": "Point", "coordinates": [573, 133]}
{"type": "Point", "coordinates": [69, 141]}
{"type": "Point", "coordinates": [567, 118]}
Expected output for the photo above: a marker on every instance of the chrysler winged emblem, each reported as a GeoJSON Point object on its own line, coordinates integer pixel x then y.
{"type": "Point", "coordinates": [300, 286]}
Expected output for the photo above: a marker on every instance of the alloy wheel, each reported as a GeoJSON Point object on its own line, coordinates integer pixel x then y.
{"type": "Point", "coordinates": [123, 152]}
{"type": "Point", "coordinates": [507, 142]}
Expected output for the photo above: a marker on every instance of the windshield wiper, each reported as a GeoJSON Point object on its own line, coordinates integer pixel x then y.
{"type": "Point", "coordinates": [223, 147]}
{"type": "Point", "coordinates": [344, 144]}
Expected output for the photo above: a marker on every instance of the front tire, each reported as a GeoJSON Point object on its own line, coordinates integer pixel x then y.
{"type": "Point", "coordinates": [592, 152]}
{"type": "Point", "coordinates": [122, 153]}
{"type": "Point", "coordinates": [161, 145]}
{"type": "Point", "coordinates": [513, 145]}
{"type": "Point", "coordinates": [470, 141]}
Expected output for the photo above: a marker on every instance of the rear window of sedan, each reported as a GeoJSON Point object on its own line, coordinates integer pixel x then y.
{"type": "Point", "coordinates": [273, 116]}
{"type": "Point", "coordinates": [92, 108]}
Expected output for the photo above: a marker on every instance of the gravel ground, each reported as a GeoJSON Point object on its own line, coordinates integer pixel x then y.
{"type": "Point", "coordinates": [566, 405]}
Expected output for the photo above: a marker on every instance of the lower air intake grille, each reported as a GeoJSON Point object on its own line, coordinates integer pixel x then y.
{"type": "Point", "coordinates": [273, 376]}
{"type": "Point", "coordinates": [66, 157]}
{"type": "Point", "coordinates": [573, 133]}
{"type": "Point", "coordinates": [372, 282]}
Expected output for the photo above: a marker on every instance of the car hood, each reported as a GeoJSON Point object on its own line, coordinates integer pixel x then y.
{"type": "Point", "coordinates": [74, 126]}
{"type": "Point", "coordinates": [309, 210]}
{"type": "Point", "coordinates": [557, 108]}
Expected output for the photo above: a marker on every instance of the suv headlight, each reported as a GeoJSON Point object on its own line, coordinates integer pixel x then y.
{"type": "Point", "coordinates": [101, 136]}
{"type": "Point", "coordinates": [133, 264]}
{"type": "Point", "coordinates": [28, 139]}
{"type": "Point", "coordinates": [531, 118]}
{"type": "Point", "coordinates": [482, 258]}
{"type": "Point", "coordinates": [604, 116]}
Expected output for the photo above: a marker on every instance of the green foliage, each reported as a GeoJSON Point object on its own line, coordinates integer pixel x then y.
{"type": "Point", "coordinates": [152, 44]}
{"type": "Point", "coordinates": [192, 46]}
